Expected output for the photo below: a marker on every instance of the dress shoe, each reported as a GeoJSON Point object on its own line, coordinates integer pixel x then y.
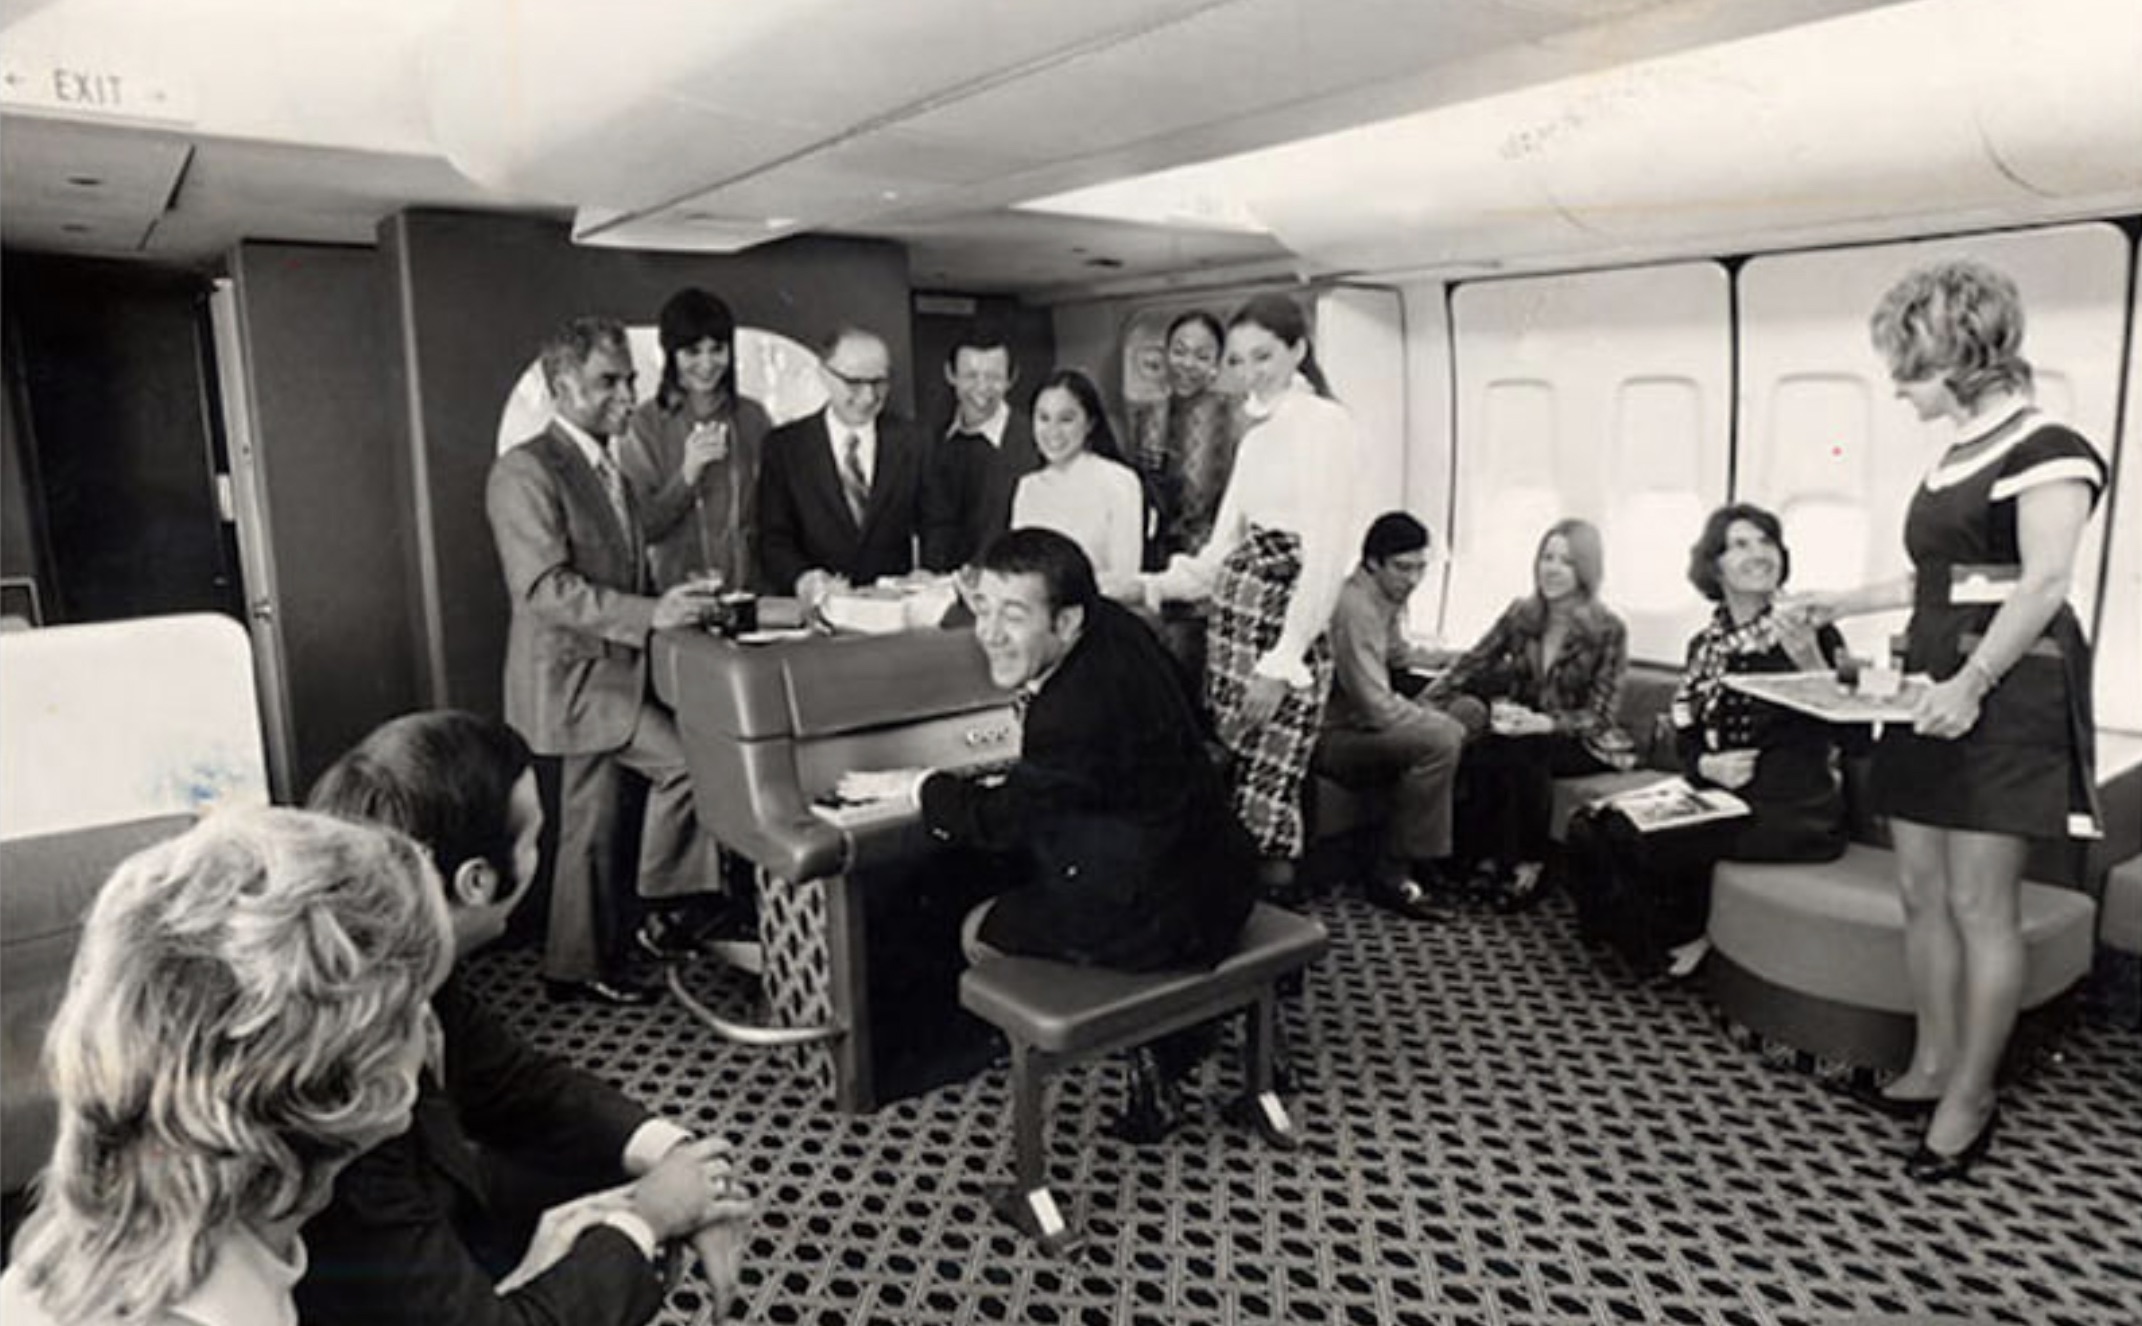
{"type": "Point", "coordinates": [1523, 888]}
{"type": "Point", "coordinates": [667, 938]}
{"type": "Point", "coordinates": [1930, 1166]}
{"type": "Point", "coordinates": [1153, 1104]}
{"type": "Point", "coordinates": [620, 993]}
{"type": "Point", "coordinates": [1407, 898]}
{"type": "Point", "coordinates": [1896, 1107]}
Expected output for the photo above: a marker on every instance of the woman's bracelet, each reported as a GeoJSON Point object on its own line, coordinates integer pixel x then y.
{"type": "Point", "coordinates": [1986, 677]}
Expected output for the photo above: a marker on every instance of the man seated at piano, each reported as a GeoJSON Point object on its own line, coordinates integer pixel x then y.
{"type": "Point", "coordinates": [1116, 814]}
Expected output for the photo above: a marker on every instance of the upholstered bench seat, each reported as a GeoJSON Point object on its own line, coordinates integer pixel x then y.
{"type": "Point", "coordinates": [1056, 1013]}
{"type": "Point", "coordinates": [2119, 943]}
{"type": "Point", "coordinates": [2120, 926]}
{"type": "Point", "coordinates": [1812, 955]}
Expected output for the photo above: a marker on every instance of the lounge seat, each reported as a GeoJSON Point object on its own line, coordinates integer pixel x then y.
{"type": "Point", "coordinates": [2119, 939]}
{"type": "Point", "coordinates": [1811, 956]}
{"type": "Point", "coordinates": [1055, 1014]}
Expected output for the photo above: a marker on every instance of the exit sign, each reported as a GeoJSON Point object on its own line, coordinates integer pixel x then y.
{"type": "Point", "coordinates": [92, 92]}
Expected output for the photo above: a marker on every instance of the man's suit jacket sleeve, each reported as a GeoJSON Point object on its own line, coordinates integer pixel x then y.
{"type": "Point", "coordinates": [781, 555]}
{"type": "Point", "coordinates": [528, 522]}
{"type": "Point", "coordinates": [387, 1250]}
{"type": "Point", "coordinates": [1063, 770]}
{"type": "Point", "coordinates": [510, 1095]}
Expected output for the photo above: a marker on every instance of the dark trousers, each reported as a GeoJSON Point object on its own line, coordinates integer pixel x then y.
{"type": "Point", "coordinates": [1506, 793]}
{"type": "Point", "coordinates": [592, 909]}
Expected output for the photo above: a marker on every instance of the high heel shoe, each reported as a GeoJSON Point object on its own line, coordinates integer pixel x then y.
{"type": "Point", "coordinates": [1930, 1166]}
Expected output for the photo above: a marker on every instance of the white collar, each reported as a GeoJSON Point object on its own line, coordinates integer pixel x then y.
{"type": "Point", "coordinates": [992, 428]}
{"type": "Point", "coordinates": [247, 1284]}
{"type": "Point", "coordinates": [1257, 409]}
{"type": "Point", "coordinates": [837, 430]}
{"type": "Point", "coordinates": [2019, 425]}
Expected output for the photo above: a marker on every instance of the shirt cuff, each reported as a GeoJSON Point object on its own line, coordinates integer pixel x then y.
{"type": "Point", "coordinates": [1292, 671]}
{"type": "Point", "coordinates": [650, 1142]}
{"type": "Point", "coordinates": [634, 1226]}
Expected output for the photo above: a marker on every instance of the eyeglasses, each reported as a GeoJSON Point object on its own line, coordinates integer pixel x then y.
{"type": "Point", "coordinates": [858, 384]}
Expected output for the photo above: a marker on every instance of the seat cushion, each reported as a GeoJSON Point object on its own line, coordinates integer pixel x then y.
{"type": "Point", "coordinates": [46, 886]}
{"type": "Point", "coordinates": [1836, 929]}
{"type": "Point", "coordinates": [1063, 1008]}
{"type": "Point", "coordinates": [2119, 926]}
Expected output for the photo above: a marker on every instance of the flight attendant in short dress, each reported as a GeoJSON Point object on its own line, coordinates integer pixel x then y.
{"type": "Point", "coordinates": [2000, 749]}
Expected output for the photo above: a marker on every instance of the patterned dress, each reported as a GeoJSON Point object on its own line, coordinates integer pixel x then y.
{"type": "Point", "coordinates": [1185, 446]}
{"type": "Point", "coordinates": [2025, 768]}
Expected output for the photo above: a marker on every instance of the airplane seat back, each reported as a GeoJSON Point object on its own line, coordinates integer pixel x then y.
{"type": "Point", "coordinates": [117, 735]}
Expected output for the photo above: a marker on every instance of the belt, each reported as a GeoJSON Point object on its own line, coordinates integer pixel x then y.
{"type": "Point", "coordinates": [1966, 584]}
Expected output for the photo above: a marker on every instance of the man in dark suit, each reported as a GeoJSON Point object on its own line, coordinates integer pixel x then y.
{"type": "Point", "coordinates": [1136, 860]}
{"type": "Point", "coordinates": [421, 1228]}
{"type": "Point", "coordinates": [574, 555]}
{"type": "Point", "coordinates": [985, 451]}
{"type": "Point", "coordinates": [841, 492]}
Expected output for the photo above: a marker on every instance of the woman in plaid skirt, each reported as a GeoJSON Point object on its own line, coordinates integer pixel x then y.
{"type": "Point", "coordinates": [1270, 572]}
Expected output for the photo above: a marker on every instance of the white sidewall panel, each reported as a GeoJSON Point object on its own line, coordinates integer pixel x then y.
{"type": "Point", "coordinates": [1603, 395]}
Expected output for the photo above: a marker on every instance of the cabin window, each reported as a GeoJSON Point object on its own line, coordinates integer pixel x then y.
{"type": "Point", "coordinates": [774, 370]}
{"type": "Point", "coordinates": [1602, 395]}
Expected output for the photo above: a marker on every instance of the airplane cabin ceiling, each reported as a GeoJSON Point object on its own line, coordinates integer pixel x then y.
{"type": "Point", "coordinates": [723, 124]}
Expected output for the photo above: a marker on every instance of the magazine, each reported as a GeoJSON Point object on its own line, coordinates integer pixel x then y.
{"type": "Point", "coordinates": [1822, 695]}
{"type": "Point", "coordinates": [1674, 804]}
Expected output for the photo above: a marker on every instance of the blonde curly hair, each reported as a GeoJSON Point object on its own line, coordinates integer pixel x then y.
{"type": "Point", "coordinates": [242, 1019]}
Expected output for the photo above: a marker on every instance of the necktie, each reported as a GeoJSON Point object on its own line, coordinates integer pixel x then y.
{"type": "Point", "coordinates": [613, 484]}
{"type": "Point", "coordinates": [854, 484]}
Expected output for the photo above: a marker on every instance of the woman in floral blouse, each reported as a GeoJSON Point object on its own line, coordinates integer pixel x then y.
{"type": "Point", "coordinates": [1542, 688]}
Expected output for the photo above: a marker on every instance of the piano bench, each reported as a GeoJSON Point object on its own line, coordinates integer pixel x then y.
{"type": "Point", "coordinates": [1056, 1014]}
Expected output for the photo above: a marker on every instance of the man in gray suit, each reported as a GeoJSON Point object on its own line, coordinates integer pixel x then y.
{"type": "Point", "coordinates": [576, 661]}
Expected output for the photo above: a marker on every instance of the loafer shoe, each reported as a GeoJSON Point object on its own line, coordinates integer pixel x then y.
{"type": "Point", "coordinates": [667, 940]}
{"type": "Point", "coordinates": [1406, 897]}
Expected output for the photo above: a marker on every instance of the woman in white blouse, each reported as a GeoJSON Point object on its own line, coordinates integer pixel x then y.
{"type": "Point", "coordinates": [1280, 547]}
{"type": "Point", "coordinates": [1083, 489]}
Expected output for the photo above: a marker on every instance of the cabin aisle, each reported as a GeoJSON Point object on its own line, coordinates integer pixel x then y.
{"type": "Point", "coordinates": [1508, 1132]}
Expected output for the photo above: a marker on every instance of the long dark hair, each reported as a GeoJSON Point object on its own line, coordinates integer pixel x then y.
{"type": "Point", "coordinates": [1282, 316]}
{"type": "Point", "coordinates": [1101, 438]}
{"type": "Point", "coordinates": [691, 316]}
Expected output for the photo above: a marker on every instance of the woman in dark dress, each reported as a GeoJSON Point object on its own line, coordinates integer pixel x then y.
{"type": "Point", "coordinates": [1647, 892]}
{"type": "Point", "coordinates": [1999, 749]}
{"type": "Point", "coordinates": [1545, 684]}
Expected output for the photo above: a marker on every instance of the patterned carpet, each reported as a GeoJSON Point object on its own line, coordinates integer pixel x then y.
{"type": "Point", "coordinates": [1506, 1131]}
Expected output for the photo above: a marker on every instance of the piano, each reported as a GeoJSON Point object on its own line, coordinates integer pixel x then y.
{"type": "Point", "coordinates": [767, 730]}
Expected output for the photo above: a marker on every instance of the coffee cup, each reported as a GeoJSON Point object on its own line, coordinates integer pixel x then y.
{"type": "Point", "coordinates": [739, 612]}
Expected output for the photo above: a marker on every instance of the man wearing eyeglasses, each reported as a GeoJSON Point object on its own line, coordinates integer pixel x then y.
{"type": "Point", "coordinates": [840, 492]}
